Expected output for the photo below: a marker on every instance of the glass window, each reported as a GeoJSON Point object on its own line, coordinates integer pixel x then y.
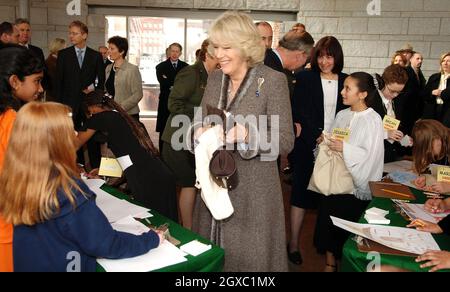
{"type": "Point", "coordinates": [151, 36]}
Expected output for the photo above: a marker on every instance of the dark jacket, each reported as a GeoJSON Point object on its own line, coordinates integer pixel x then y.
{"type": "Point", "coordinates": [391, 151]}
{"type": "Point", "coordinates": [37, 52]}
{"type": "Point", "coordinates": [50, 63]}
{"type": "Point", "coordinates": [411, 101]}
{"type": "Point", "coordinates": [432, 110]}
{"type": "Point", "coordinates": [273, 61]}
{"type": "Point", "coordinates": [445, 225]}
{"type": "Point", "coordinates": [52, 246]}
{"type": "Point", "coordinates": [166, 77]}
{"type": "Point", "coordinates": [187, 93]}
{"type": "Point", "coordinates": [72, 80]}
{"type": "Point", "coordinates": [308, 104]}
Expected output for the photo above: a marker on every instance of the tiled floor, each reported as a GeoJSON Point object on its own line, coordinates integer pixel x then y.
{"type": "Point", "coordinates": [312, 261]}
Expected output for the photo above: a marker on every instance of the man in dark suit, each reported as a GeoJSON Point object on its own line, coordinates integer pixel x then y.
{"type": "Point", "coordinates": [291, 55]}
{"type": "Point", "coordinates": [24, 27]}
{"type": "Point", "coordinates": [411, 101]}
{"type": "Point", "coordinates": [79, 71]}
{"type": "Point", "coordinates": [166, 73]}
{"type": "Point", "coordinates": [104, 51]}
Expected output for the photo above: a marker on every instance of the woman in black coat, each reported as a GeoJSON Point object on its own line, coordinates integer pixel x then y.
{"type": "Point", "coordinates": [316, 101]}
{"type": "Point", "coordinates": [437, 94]}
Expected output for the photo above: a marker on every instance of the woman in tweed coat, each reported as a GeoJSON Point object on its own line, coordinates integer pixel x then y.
{"type": "Point", "coordinates": [254, 237]}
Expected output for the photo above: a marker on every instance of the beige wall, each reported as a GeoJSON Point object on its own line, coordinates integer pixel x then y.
{"type": "Point", "coordinates": [368, 41]}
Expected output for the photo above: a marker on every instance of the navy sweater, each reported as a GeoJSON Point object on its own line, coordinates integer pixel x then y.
{"type": "Point", "coordinates": [81, 233]}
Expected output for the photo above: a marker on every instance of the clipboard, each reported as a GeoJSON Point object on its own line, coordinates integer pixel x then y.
{"type": "Point", "coordinates": [394, 191]}
{"type": "Point", "coordinates": [367, 245]}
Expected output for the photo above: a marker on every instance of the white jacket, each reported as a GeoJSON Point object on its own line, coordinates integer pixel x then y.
{"type": "Point", "coordinates": [216, 198]}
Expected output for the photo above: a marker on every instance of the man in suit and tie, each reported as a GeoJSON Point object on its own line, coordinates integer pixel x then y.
{"type": "Point", "coordinates": [166, 73]}
{"type": "Point", "coordinates": [24, 27]}
{"type": "Point", "coordinates": [80, 70]}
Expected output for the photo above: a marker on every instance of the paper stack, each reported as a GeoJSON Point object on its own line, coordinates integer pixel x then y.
{"type": "Point", "coordinates": [377, 216]}
{"type": "Point", "coordinates": [195, 248]}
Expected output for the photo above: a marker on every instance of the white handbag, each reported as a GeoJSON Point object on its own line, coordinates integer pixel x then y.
{"type": "Point", "coordinates": [330, 175]}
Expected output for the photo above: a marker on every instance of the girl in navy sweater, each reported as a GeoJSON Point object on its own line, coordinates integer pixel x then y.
{"type": "Point", "coordinates": [57, 224]}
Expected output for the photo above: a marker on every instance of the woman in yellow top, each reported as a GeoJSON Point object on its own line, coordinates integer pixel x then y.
{"type": "Point", "coordinates": [20, 82]}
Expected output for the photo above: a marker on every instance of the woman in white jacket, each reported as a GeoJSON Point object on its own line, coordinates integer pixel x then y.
{"type": "Point", "coordinates": [363, 155]}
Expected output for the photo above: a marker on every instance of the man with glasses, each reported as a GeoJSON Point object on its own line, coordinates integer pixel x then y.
{"type": "Point", "coordinates": [80, 70]}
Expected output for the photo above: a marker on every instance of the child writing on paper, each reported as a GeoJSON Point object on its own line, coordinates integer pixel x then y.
{"type": "Point", "coordinates": [56, 221]}
{"type": "Point", "coordinates": [150, 180]}
{"type": "Point", "coordinates": [436, 260]}
{"type": "Point", "coordinates": [20, 82]}
{"type": "Point", "coordinates": [431, 145]}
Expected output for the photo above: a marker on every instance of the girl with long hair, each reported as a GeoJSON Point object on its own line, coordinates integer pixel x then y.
{"type": "Point", "coordinates": [20, 82]}
{"type": "Point", "coordinates": [363, 156]}
{"type": "Point", "coordinates": [53, 211]}
{"type": "Point", "coordinates": [149, 179]}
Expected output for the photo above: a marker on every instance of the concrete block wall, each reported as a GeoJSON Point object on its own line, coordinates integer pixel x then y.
{"type": "Point", "coordinates": [368, 41]}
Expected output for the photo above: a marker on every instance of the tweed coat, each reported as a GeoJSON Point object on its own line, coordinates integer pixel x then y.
{"type": "Point", "coordinates": [254, 237]}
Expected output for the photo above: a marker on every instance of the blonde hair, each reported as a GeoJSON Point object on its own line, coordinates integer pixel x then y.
{"type": "Point", "coordinates": [56, 45]}
{"type": "Point", "coordinates": [39, 162]}
{"type": "Point", "coordinates": [442, 60]}
{"type": "Point", "coordinates": [237, 30]}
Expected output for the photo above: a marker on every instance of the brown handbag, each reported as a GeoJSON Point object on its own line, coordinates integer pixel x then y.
{"type": "Point", "coordinates": [223, 166]}
{"type": "Point", "coordinates": [223, 169]}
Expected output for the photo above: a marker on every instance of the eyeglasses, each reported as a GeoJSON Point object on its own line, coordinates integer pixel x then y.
{"type": "Point", "coordinates": [393, 92]}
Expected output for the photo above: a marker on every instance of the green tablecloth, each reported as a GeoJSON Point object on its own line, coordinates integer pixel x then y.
{"type": "Point", "coordinates": [355, 261]}
{"type": "Point", "coordinates": [210, 261]}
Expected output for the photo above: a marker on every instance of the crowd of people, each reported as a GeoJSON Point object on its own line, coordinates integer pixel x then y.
{"type": "Point", "coordinates": [54, 110]}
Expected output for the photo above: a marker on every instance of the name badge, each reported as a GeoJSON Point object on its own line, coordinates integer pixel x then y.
{"type": "Point", "coordinates": [110, 167]}
{"type": "Point", "coordinates": [443, 174]}
{"type": "Point", "coordinates": [341, 134]}
{"type": "Point", "coordinates": [125, 162]}
{"type": "Point", "coordinates": [390, 123]}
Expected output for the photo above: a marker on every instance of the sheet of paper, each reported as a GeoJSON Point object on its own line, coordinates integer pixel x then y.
{"type": "Point", "coordinates": [401, 166]}
{"type": "Point", "coordinates": [417, 211]}
{"type": "Point", "coordinates": [114, 208]}
{"type": "Point", "coordinates": [94, 183]}
{"type": "Point", "coordinates": [165, 255]}
{"type": "Point", "coordinates": [404, 178]}
{"type": "Point", "coordinates": [403, 239]}
{"type": "Point", "coordinates": [195, 248]}
{"type": "Point", "coordinates": [377, 212]}
{"type": "Point", "coordinates": [130, 225]}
